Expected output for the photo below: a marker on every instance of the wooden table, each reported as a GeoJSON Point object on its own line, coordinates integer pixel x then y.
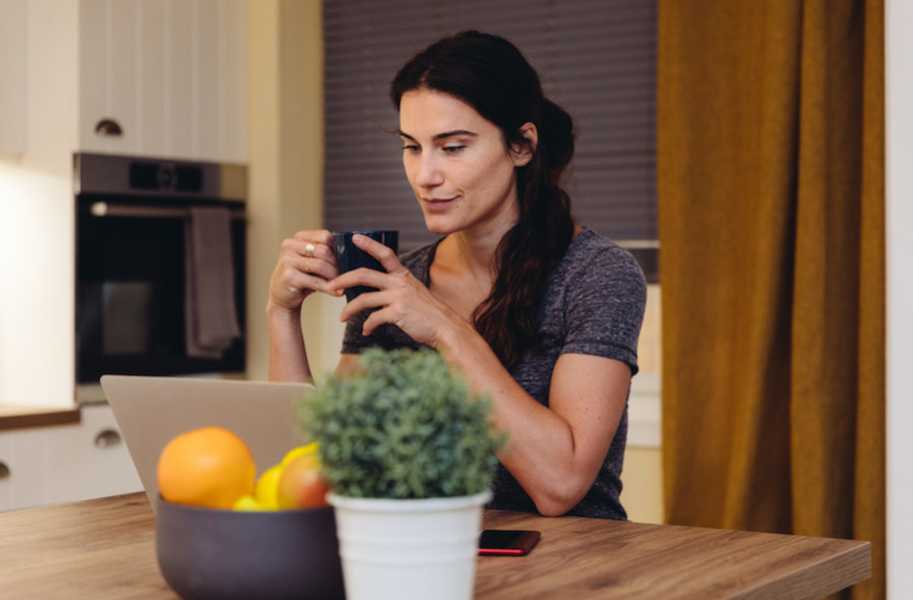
{"type": "Point", "coordinates": [106, 549]}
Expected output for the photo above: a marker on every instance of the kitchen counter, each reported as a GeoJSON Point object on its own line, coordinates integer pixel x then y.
{"type": "Point", "coordinates": [18, 417]}
{"type": "Point", "coordinates": [105, 548]}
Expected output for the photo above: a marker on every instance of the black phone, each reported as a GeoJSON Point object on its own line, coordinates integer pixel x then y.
{"type": "Point", "coordinates": [506, 542]}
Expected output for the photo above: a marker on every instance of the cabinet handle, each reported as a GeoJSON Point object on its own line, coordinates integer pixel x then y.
{"type": "Point", "coordinates": [4, 471]}
{"type": "Point", "coordinates": [108, 128]}
{"type": "Point", "coordinates": [106, 438]}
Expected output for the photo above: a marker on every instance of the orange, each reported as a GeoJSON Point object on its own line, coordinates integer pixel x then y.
{"type": "Point", "coordinates": [209, 467]}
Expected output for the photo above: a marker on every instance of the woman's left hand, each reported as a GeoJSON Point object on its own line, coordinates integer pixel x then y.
{"type": "Point", "coordinates": [403, 300]}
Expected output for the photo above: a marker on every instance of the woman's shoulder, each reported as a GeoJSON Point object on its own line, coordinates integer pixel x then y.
{"type": "Point", "coordinates": [592, 254]}
{"type": "Point", "coordinates": [595, 266]}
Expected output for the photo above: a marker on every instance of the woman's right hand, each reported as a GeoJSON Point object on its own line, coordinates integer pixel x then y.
{"type": "Point", "coordinates": [306, 263]}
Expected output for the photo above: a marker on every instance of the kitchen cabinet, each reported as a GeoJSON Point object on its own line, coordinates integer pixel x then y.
{"type": "Point", "coordinates": [65, 463]}
{"type": "Point", "coordinates": [14, 89]}
{"type": "Point", "coordinates": [163, 78]}
{"type": "Point", "coordinates": [6, 479]}
{"type": "Point", "coordinates": [96, 461]}
{"type": "Point", "coordinates": [27, 467]}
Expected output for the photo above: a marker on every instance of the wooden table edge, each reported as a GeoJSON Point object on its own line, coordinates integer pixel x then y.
{"type": "Point", "coordinates": [844, 564]}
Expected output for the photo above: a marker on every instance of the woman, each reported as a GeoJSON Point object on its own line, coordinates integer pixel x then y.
{"type": "Point", "coordinates": [540, 314]}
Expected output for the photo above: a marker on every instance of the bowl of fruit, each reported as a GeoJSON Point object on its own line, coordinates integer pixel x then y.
{"type": "Point", "coordinates": [222, 532]}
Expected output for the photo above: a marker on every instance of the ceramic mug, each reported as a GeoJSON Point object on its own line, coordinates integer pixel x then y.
{"type": "Point", "coordinates": [350, 257]}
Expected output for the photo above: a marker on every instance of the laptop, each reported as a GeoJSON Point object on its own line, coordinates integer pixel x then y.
{"type": "Point", "coordinates": [150, 411]}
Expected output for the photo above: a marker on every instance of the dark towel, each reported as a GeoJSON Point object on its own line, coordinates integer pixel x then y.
{"type": "Point", "coordinates": [209, 301]}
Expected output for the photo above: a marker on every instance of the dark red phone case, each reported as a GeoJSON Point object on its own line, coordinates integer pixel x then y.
{"type": "Point", "coordinates": [505, 542]}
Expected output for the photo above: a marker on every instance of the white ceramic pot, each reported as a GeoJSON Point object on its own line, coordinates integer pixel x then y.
{"type": "Point", "coordinates": [409, 549]}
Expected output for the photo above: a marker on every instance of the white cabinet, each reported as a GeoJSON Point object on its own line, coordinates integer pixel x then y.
{"type": "Point", "coordinates": [170, 75]}
{"type": "Point", "coordinates": [13, 82]}
{"type": "Point", "coordinates": [89, 460]}
{"type": "Point", "coordinates": [6, 473]}
{"type": "Point", "coordinates": [27, 459]}
{"type": "Point", "coordinates": [65, 463]}
{"type": "Point", "coordinates": [22, 455]}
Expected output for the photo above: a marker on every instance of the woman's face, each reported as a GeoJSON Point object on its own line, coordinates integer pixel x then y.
{"type": "Point", "coordinates": [457, 164]}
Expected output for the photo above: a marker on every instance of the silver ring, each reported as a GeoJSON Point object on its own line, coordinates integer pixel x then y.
{"type": "Point", "coordinates": [309, 249]}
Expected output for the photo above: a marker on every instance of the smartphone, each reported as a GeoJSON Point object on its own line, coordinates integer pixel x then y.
{"type": "Point", "coordinates": [505, 542]}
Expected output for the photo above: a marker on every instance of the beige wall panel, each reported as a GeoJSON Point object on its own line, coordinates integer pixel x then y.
{"type": "Point", "coordinates": [642, 495]}
{"type": "Point", "coordinates": [286, 155]}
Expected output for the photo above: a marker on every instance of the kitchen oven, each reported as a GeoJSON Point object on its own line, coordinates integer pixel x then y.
{"type": "Point", "coordinates": [134, 260]}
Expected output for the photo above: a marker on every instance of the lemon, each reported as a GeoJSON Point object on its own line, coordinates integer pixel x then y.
{"type": "Point", "coordinates": [247, 504]}
{"type": "Point", "coordinates": [294, 453]}
{"type": "Point", "coordinates": [268, 486]}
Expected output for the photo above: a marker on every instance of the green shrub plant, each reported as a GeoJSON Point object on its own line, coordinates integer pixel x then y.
{"type": "Point", "coordinates": [403, 427]}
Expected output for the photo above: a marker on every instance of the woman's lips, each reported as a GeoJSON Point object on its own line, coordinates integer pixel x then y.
{"type": "Point", "coordinates": [439, 204]}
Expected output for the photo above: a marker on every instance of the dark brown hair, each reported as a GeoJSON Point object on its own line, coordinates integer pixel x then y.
{"type": "Point", "coordinates": [491, 75]}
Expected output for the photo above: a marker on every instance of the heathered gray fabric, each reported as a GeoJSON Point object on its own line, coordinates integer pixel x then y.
{"type": "Point", "coordinates": [593, 304]}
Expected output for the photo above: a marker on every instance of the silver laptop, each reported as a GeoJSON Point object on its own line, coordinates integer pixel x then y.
{"type": "Point", "coordinates": [150, 411]}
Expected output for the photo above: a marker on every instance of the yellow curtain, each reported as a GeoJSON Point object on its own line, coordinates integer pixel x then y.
{"type": "Point", "coordinates": [770, 168]}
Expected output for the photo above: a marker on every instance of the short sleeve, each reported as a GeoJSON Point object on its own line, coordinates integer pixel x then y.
{"type": "Point", "coordinates": [604, 307]}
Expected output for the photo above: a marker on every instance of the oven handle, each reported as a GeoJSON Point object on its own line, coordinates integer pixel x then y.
{"type": "Point", "coordinates": [104, 209]}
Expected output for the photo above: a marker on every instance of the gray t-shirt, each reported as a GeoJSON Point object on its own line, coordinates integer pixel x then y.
{"type": "Point", "coordinates": [593, 304]}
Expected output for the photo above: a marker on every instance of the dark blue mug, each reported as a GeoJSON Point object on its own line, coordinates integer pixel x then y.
{"type": "Point", "coordinates": [350, 257]}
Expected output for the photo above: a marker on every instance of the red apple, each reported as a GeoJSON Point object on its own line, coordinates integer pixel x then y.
{"type": "Point", "coordinates": [301, 485]}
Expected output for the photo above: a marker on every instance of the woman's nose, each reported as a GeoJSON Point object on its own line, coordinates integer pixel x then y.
{"type": "Point", "coordinates": [429, 172]}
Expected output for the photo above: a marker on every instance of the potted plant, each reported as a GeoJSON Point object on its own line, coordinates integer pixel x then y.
{"type": "Point", "coordinates": [409, 454]}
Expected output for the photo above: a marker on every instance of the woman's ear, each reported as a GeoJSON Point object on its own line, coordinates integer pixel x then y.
{"type": "Point", "coordinates": [521, 154]}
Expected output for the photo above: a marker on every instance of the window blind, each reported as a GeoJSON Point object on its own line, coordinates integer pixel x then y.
{"type": "Point", "coordinates": [596, 59]}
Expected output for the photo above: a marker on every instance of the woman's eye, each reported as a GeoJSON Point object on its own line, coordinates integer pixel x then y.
{"type": "Point", "coordinates": [447, 149]}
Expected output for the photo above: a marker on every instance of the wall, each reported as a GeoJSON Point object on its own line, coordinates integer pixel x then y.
{"type": "Point", "coordinates": [263, 170]}
{"type": "Point", "coordinates": [37, 227]}
{"type": "Point", "coordinates": [286, 159]}
{"type": "Point", "coordinates": [899, 219]}
{"type": "Point", "coordinates": [642, 494]}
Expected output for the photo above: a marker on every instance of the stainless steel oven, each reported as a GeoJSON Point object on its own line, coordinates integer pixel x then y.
{"type": "Point", "coordinates": [131, 263]}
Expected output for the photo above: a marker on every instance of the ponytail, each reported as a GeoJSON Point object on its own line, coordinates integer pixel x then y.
{"type": "Point", "coordinates": [530, 250]}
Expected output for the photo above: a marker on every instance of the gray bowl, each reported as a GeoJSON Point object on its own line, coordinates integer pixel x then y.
{"type": "Point", "coordinates": [208, 554]}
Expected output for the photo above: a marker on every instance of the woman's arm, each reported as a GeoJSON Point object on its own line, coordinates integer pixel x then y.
{"type": "Point", "coordinates": [554, 453]}
{"type": "Point", "coordinates": [288, 359]}
{"type": "Point", "coordinates": [306, 262]}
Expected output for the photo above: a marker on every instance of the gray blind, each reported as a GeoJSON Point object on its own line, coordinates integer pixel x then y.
{"type": "Point", "coordinates": [596, 59]}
